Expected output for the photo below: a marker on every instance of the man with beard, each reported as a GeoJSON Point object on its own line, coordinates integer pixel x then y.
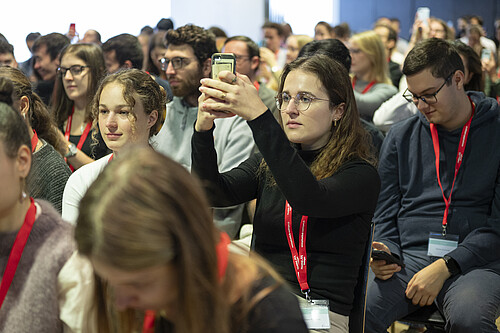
{"type": "Point", "coordinates": [188, 60]}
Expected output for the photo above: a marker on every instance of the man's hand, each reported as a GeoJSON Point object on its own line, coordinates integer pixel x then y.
{"type": "Point", "coordinates": [379, 267]}
{"type": "Point", "coordinates": [424, 286]}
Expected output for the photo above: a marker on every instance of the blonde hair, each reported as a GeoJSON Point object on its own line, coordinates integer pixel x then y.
{"type": "Point", "coordinates": [370, 44]}
{"type": "Point", "coordinates": [146, 210]}
{"type": "Point", "coordinates": [302, 40]}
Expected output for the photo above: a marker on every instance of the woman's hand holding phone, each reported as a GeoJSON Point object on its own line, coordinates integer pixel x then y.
{"type": "Point", "coordinates": [235, 94]}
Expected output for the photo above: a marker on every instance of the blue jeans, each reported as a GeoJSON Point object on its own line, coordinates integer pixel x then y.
{"type": "Point", "coordinates": [470, 301]}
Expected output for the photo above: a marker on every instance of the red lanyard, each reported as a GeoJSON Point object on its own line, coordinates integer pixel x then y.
{"type": "Point", "coordinates": [34, 141]}
{"type": "Point", "coordinates": [458, 162]}
{"type": "Point", "coordinates": [367, 88]}
{"type": "Point", "coordinates": [17, 251]}
{"type": "Point", "coordinates": [300, 258]}
{"type": "Point", "coordinates": [256, 84]}
{"type": "Point", "coordinates": [222, 251]}
{"type": "Point", "coordinates": [83, 137]}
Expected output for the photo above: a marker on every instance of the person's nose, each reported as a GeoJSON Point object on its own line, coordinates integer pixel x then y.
{"type": "Point", "coordinates": [111, 122]}
{"type": "Point", "coordinates": [170, 69]}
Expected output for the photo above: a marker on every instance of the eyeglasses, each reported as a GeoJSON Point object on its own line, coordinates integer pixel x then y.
{"type": "Point", "coordinates": [241, 57]}
{"type": "Point", "coordinates": [75, 70]}
{"type": "Point", "coordinates": [302, 101]}
{"type": "Point", "coordinates": [427, 98]}
{"type": "Point", "coordinates": [177, 62]}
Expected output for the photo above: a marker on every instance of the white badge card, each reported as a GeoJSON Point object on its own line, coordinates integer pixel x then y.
{"type": "Point", "coordinates": [440, 245]}
{"type": "Point", "coordinates": [315, 314]}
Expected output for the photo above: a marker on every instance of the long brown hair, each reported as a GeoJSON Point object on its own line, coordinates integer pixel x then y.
{"type": "Point", "coordinates": [349, 140]}
{"type": "Point", "coordinates": [156, 213]}
{"type": "Point", "coordinates": [93, 57]}
{"type": "Point", "coordinates": [38, 116]}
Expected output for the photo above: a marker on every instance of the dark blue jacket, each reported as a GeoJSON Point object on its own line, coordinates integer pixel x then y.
{"type": "Point", "coordinates": [411, 204]}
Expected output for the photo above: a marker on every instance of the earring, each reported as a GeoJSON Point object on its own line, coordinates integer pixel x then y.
{"type": "Point", "coordinates": [23, 193]}
{"type": "Point", "coordinates": [335, 122]}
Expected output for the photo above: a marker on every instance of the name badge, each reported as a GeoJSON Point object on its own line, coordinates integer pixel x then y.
{"type": "Point", "coordinates": [315, 314]}
{"type": "Point", "coordinates": [440, 245]}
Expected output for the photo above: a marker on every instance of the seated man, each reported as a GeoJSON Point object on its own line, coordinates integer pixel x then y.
{"type": "Point", "coordinates": [439, 206]}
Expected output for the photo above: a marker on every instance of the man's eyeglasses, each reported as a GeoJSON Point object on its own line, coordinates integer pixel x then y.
{"type": "Point", "coordinates": [75, 70]}
{"type": "Point", "coordinates": [427, 98]}
{"type": "Point", "coordinates": [302, 101]}
{"type": "Point", "coordinates": [177, 62]}
{"type": "Point", "coordinates": [241, 57]}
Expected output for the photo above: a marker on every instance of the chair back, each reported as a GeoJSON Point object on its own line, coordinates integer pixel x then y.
{"type": "Point", "coordinates": [357, 316]}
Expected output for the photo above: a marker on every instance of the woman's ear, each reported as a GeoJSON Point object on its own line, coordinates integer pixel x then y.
{"type": "Point", "coordinates": [152, 118]}
{"type": "Point", "coordinates": [338, 112]}
{"type": "Point", "coordinates": [24, 106]}
{"type": "Point", "coordinates": [23, 161]}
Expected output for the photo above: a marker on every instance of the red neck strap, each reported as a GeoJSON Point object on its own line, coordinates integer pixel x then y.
{"type": "Point", "coordinates": [83, 137]}
{"type": "Point", "coordinates": [17, 251]}
{"type": "Point", "coordinates": [458, 162]}
{"type": "Point", "coordinates": [367, 88]}
{"type": "Point", "coordinates": [256, 84]}
{"type": "Point", "coordinates": [300, 257]}
{"type": "Point", "coordinates": [34, 141]}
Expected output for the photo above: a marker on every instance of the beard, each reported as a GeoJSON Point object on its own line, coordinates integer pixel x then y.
{"type": "Point", "coordinates": [186, 86]}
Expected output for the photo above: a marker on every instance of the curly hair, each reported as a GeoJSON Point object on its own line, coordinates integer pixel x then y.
{"type": "Point", "coordinates": [135, 83]}
{"type": "Point", "coordinates": [201, 40]}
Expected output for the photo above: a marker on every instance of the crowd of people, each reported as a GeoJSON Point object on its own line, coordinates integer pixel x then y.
{"type": "Point", "coordinates": [143, 195]}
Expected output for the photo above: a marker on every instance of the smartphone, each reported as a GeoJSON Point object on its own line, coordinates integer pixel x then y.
{"type": "Point", "coordinates": [423, 14]}
{"type": "Point", "coordinates": [485, 54]}
{"type": "Point", "coordinates": [223, 62]}
{"type": "Point", "coordinates": [389, 258]}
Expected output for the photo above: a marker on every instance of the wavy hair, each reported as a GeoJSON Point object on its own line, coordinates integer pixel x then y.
{"type": "Point", "coordinates": [135, 83]}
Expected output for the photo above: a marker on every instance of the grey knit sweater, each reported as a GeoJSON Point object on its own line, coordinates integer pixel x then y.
{"type": "Point", "coordinates": [48, 176]}
{"type": "Point", "coordinates": [31, 304]}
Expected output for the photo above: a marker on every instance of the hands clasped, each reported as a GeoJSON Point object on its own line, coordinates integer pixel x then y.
{"type": "Point", "coordinates": [232, 95]}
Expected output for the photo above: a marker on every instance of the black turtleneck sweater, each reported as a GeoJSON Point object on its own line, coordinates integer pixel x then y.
{"type": "Point", "coordinates": [340, 208]}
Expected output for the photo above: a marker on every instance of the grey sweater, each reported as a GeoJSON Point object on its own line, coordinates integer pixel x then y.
{"type": "Point", "coordinates": [31, 304]}
{"type": "Point", "coordinates": [48, 176]}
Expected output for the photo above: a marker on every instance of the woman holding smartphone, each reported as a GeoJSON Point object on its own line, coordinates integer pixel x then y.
{"type": "Point", "coordinates": [81, 70]}
{"type": "Point", "coordinates": [314, 181]}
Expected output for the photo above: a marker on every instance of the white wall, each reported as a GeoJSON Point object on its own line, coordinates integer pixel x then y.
{"type": "Point", "coordinates": [235, 17]}
{"type": "Point", "coordinates": [110, 18]}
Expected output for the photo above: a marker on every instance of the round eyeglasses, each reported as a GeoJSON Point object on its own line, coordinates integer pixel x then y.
{"type": "Point", "coordinates": [302, 101]}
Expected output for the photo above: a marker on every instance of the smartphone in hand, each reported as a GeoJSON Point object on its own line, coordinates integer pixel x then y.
{"type": "Point", "coordinates": [389, 258]}
{"type": "Point", "coordinates": [423, 14]}
{"type": "Point", "coordinates": [223, 62]}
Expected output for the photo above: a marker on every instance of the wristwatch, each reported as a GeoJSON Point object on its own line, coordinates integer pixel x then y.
{"type": "Point", "coordinates": [452, 265]}
{"type": "Point", "coordinates": [71, 150]}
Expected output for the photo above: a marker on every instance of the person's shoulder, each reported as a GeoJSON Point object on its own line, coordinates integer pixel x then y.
{"type": "Point", "coordinates": [89, 172]}
{"type": "Point", "coordinates": [380, 86]}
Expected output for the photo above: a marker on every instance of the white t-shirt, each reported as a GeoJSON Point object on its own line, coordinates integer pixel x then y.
{"type": "Point", "coordinates": [77, 185]}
